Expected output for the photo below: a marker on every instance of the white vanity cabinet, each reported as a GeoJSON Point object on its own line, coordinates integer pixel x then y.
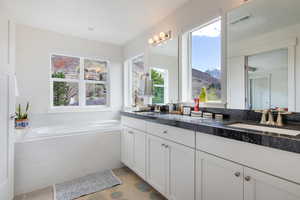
{"type": "Point", "coordinates": [157, 163]}
{"type": "Point", "coordinates": [262, 186]}
{"type": "Point", "coordinates": [162, 155]}
{"type": "Point", "coordinates": [184, 165]}
{"type": "Point", "coordinates": [134, 150]}
{"type": "Point", "coordinates": [221, 179]}
{"type": "Point", "coordinates": [170, 168]}
{"type": "Point", "coordinates": [217, 178]}
{"type": "Point", "coordinates": [181, 171]}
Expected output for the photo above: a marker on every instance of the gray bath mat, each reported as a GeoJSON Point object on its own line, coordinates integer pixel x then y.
{"type": "Point", "coordinates": [85, 185]}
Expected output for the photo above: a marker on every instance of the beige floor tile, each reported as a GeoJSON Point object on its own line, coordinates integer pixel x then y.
{"type": "Point", "coordinates": [133, 188]}
{"type": "Point", "coordinates": [43, 194]}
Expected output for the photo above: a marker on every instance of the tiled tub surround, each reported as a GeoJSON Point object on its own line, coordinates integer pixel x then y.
{"type": "Point", "coordinates": [221, 128]}
{"type": "Point", "coordinates": [209, 159]}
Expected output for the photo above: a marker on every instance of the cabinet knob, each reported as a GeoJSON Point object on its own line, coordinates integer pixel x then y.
{"type": "Point", "coordinates": [165, 132]}
{"type": "Point", "coordinates": [247, 178]}
{"type": "Point", "coordinates": [167, 146]}
{"type": "Point", "coordinates": [130, 132]}
{"type": "Point", "coordinates": [163, 145]}
{"type": "Point", "coordinates": [237, 174]}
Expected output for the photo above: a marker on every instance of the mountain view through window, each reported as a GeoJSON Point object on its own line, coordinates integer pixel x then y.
{"type": "Point", "coordinates": [206, 61]}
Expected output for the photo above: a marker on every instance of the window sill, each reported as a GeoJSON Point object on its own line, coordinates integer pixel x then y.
{"type": "Point", "coordinates": [207, 104]}
{"type": "Point", "coordinates": [80, 109]}
{"type": "Point", "coordinates": [213, 105]}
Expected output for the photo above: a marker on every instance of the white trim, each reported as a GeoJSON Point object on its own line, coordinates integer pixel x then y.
{"type": "Point", "coordinates": [82, 107]}
{"type": "Point", "coordinates": [66, 109]}
{"type": "Point", "coordinates": [127, 80]}
{"type": "Point", "coordinates": [54, 192]}
{"type": "Point", "coordinates": [292, 77]}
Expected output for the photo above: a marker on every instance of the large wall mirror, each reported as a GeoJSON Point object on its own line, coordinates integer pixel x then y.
{"type": "Point", "coordinates": [163, 66]}
{"type": "Point", "coordinates": [262, 54]}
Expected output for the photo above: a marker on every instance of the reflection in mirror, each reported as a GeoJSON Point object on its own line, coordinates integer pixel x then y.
{"type": "Point", "coordinates": [267, 79]}
{"type": "Point", "coordinates": [261, 54]}
{"type": "Point", "coordinates": [163, 64]}
{"type": "Point", "coordinates": [138, 69]}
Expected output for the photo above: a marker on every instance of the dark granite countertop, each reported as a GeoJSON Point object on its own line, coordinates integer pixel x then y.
{"type": "Point", "coordinates": [221, 128]}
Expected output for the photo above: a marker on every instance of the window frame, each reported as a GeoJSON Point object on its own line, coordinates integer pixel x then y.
{"type": "Point", "coordinates": [82, 107]}
{"type": "Point", "coordinates": [165, 86]}
{"type": "Point", "coordinates": [222, 103]}
{"type": "Point", "coordinates": [128, 80]}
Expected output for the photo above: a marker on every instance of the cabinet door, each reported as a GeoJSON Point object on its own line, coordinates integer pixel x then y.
{"type": "Point", "coordinates": [156, 163]}
{"type": "Point", "coordinates": [128, 148]}
{"type": "Point", "coordinates": [261, 186]}
{"type": "Point", "coordinates": [218, 179]}
{"type": "Point", "coordinates": [139, 165]}
{"type": "Point", "coordinates": [181, 180]}
{"type": "Point", "coordinates": [123, 146]}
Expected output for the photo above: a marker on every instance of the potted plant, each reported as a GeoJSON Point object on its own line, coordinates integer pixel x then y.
{"type": "Point", "coordinates": [21, 120]}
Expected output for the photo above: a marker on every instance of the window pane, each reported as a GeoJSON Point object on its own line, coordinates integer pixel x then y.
{"type": "Point", "coordinates": [95, 94]}
{"type": "Point", "coordinates": [158, 97]}
{"type": "Point", "coordinates": [95, 70]}
{"type": "Point", "coordinates": [157, 77]}
{"type": "Point", "coordinates": [65, 67]}
{"type": "Point", "coordinates": [206, 61]}
{"type": "Point", "coordinates": [65, 94]}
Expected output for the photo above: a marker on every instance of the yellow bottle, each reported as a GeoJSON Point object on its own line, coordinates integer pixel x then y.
{"type": "Point", "coordinates": [203, 95]}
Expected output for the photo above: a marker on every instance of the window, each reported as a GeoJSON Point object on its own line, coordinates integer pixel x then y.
{"type": "Point", "coordinates": [78, 82]}
{"type": "Point", "coordinates": [160, 81]}
{"type": "Point", "coordinates": [205, 60]}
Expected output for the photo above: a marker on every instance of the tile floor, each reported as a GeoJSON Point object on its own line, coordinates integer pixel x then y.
{"type": "Point", "coordinates": [133, 188]}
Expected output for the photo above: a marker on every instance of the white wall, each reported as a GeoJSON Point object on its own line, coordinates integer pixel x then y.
{"type": "Point", "coordinates": [41, 163]}
{"type": "Point", "coordinates": [33, 49]}
{"type": "Point", "coordinates": [189, 16]}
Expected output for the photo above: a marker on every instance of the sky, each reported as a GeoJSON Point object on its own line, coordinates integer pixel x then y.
{"type": "Point", "coordinates": [206, 47]}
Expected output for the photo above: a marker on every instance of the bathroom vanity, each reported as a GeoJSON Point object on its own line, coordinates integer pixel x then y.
{"type": "Point", "coordinates": [189, 158]}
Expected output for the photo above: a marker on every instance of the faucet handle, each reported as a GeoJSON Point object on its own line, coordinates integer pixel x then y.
{"type": "Point", "coordinates": [270, 121]}
{"type": "Point", "coordinates": [263, 116]}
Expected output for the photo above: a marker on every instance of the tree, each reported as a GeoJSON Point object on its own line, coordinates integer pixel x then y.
{"type": "Point", "coordinates": [157, 79]}
{"type": "Point", "coordinates": [62, 91]}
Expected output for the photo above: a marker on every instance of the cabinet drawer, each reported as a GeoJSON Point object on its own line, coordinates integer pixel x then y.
{"type": "Point", "coordinates": [134, 123]}
{"type": "Point", "coordinates": [179, 135]}
{"type": "Point", "coordinates": [273, 161]}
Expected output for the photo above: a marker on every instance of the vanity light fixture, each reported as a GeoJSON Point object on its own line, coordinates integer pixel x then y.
{"type": "Point", "coordinates": [158, 39]}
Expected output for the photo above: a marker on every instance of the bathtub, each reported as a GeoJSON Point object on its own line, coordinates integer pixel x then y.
{"type": "Point", "coordinates": [46, 132]}
{"type": "Point", "coordinates": [52, 154]}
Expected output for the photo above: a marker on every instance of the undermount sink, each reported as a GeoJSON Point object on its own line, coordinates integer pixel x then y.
{"type": "Point", "coordinates": [266, 129]}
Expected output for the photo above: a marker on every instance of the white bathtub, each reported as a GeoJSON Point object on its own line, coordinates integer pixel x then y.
{"type": "Point", "coordinates": [54, 154]}
{"type": "Point", "coordinates": [44, 132]}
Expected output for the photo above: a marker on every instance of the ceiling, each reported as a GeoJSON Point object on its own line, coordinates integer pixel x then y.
{"type": "Point", "coordinates": [112, 21]}
{"type": "Point", "coordinates": [264, 16]}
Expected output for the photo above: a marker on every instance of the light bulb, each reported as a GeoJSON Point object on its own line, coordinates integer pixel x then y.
{"type": "Point", "coordinates": [162, 35]}
{"type": "Point", "coordinates": [156, 38]}
{"type": "Point", "coordinates": [150, 41]}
